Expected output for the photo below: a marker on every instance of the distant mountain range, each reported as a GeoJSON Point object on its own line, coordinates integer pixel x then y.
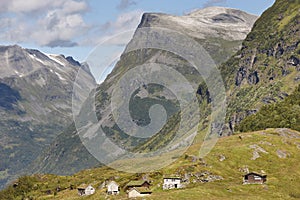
{"type": "Point", "coordinates": [35, 104]}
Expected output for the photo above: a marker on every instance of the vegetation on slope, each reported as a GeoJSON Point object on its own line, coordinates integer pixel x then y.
{"type": "Point", "coordinates": [266, 69]}
{"type": "Point", "coordinates": [78, 158]}
{"type": "Point", "coordinates": [279, 161]}
{"type": "Point", "coordinates": [284, 114]}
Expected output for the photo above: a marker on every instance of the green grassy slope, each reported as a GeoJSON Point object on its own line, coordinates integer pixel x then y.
{"type": "Point", "coordinates": [278, 158]}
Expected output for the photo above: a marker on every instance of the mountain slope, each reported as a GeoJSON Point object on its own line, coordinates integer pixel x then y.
{"type": "Point", "coordinates": [35, 104]}
{"type": "Point", "coordinates": [266, 69]}
{"type": "Point", "coordinates": [284, 114]}
{"type": "Point", "coordinates": [218, 176]}
{"type": "Point", "coordinates": [217, 38]}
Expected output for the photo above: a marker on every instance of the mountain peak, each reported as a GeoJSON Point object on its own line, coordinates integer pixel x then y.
{"type": "Point", "coordinates": [19, 61]}
{"type": "Point", "coordinates": [150, 18]}
{"type": "Point", "coordinates": [223, 15]}
{"type": "Point", "coordinates": [227, 23]}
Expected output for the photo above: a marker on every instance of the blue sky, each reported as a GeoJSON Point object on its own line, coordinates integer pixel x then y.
{"type": "Point", "coordinates": [75, 27]}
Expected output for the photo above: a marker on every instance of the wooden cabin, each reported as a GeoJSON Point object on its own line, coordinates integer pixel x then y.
{"type": "Point", "coordinates": [139, 192]}
{"type": "Point", "coordinates": [254, 178]}
{"type": "Point", "coordinates": [85, 190]}
{"type": "Point", "coordinates": [137, 184]}
{"type": "Point", "coordinates": [172, 183]}
{"type": "Point", "coordinates": [113, 188]}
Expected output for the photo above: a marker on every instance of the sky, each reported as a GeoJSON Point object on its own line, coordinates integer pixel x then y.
{"type": "Point", "coordinates": [76, 27]}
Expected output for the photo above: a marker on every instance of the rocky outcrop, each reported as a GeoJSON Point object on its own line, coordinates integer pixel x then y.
{"type": "Point", "coordinates": [282, 153]}
{"type": "Point", "coordinates": [256, 151]}
{"type": "Point", "coordinates": [253, 78]}
{"type": "Point", "coordinates": [294, 61]}
{"type": "Point", "coordinates": [222, 158]}
{"type": "Point", "coordinates": [204, 177]}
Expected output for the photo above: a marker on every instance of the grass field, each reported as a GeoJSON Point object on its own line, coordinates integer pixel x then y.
{"type": "Point", "coordinates": [278, 157]}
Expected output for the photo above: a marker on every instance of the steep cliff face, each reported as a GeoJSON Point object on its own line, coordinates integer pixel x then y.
{"type": "Point", "coordinates": [35, 104]}
{"type": "Point", "coordinates": [219, 30]}
{"type": "Point", "coordinates": [266, 69]}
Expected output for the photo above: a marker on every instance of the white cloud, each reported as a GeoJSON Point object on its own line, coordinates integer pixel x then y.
{"type": "Point", "coordinates": [210, 3]}
{"type": "Point", "coordinates": [70, 7]}
{"type": "Point", "coordinates": [59, 23]}
{"type": "Point", "coordinates": [6, 22]}
{"type": "Point", "coordinates": [124, 4]}
{"type": "Point", "coordinates": [4, 5]}
{"type": "Point", "coordinates": [27, 6]}
{"type": "Point", "coordinates": [18, 33]}
{"type": "Point", "coordinates": [18, 6]}
{"type": "Point", "coordinates": [127, 20]}
{"type": "Point", "coordinates": [124, 25]}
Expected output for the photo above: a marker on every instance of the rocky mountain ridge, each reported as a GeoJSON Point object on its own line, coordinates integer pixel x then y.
{"type": "Point", "coordinates": [218, 22]}
{"type": "Point", "coordinates": [35, 104]}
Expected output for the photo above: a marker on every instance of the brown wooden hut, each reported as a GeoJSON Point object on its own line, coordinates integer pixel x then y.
{"type": "Point", "coordinates": [254, 178]}
{"type": "Point", "coordinates": [137, 184]}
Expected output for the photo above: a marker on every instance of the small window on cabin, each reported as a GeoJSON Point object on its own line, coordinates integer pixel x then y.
{"type": "Point", "coordinates": [257, 178]}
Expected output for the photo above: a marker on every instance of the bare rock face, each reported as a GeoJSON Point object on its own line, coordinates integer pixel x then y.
{"type": "Point", "coordinates": [294, 61]}
{"type": "Point", "coordinates": [225, 23]}
{"type": "Point", "coordinates": [205, 176]}
{"type": "Point", "coordinates": [282, 154]}
{"type": "Point", "coordinates": [253, 78]}
{"type": "Point", "coordinates": [256, 151]}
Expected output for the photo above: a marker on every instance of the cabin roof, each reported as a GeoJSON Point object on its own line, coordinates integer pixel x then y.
{"type": "Point", "coordinates": [83, 186]}
{"type": "Point", "coordinates": [172, 177]}
{"type": "Point", "coordinates": [112, 182]}
{"type": "Point", "coordinates": [141, 190]}
{"type": "Point", "coordinates": [256, 173]}
{"type": "Point", "coordinates": [136, 183]}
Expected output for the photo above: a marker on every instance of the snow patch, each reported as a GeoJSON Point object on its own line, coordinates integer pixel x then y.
{"type": "Point", "coordinates": [55, 59]}
{"type": "Point", "coordinates": [60, 77]}
{"type": "Point", "coordinates": [34, 57]}
{"type": "Point", "coordinates": [18, 73]}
